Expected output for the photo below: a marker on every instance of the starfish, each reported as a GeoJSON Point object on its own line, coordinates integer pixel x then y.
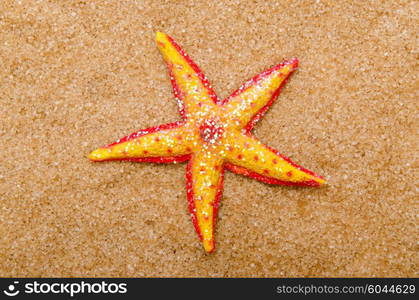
{"type": "Point", "coordinates": [213, 135]}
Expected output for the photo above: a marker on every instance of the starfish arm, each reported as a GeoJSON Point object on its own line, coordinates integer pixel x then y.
{"type": "Point", "coordinates": [204, 183]}
{"type": "Point", "coordinates": [250, 102]}
{"type": "Point", "coordinates": [161, 144]}
{"type": "Point", "coordinates": [248, 156]}
{"type": "Point", "coordinates": [190, 86]}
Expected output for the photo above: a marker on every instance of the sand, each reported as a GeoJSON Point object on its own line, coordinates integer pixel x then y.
{"type": "Point", "coordinates": [76, 75]}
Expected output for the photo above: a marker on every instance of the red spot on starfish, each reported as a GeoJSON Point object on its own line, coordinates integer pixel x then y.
{"type": "Point", "coordinates": [210, 131]}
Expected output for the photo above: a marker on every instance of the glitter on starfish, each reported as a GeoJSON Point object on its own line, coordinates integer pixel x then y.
{"type": "Point", "coordinates": [213, 135]}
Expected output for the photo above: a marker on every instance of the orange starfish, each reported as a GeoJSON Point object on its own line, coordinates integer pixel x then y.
{"type": "Point", "coordinates": [214, 135]}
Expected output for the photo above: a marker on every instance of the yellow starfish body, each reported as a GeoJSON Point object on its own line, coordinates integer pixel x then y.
{"type": "Point", "coordinates": [213, 136]}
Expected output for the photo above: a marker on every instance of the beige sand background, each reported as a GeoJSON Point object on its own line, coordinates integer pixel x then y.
{"type": "Point", "coordinates": [76, 75]}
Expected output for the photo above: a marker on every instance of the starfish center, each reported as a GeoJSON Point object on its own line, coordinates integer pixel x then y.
{"type": "Point", "coordinates": [210, 131]}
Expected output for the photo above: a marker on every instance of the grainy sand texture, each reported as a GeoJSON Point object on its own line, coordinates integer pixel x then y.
{"type": "Point", "coordinates": [76, 75]}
